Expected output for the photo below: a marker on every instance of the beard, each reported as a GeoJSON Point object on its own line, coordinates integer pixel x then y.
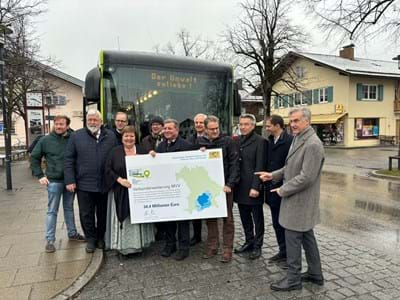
{"type": "Point", "coordinates": [93, 129]}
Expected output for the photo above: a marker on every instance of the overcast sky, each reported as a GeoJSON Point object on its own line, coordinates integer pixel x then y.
{"type": "Point", "coordinates": [74, 31]}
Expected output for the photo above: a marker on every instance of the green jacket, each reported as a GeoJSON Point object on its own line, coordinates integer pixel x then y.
{"type": "Point", "coordinates": [51, 147]}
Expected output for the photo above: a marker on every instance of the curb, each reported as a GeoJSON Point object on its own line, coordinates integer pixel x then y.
{"type": "Point", "coordinates": [83, 279]}
{"type": "Point", "coordinates": [375, 174]}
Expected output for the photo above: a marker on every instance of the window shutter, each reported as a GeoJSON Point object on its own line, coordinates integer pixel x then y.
{"type": "Point", "coordinates": [329, 91]}
{"type": "Point", "coordinates": [276, 104]}
{"type": "Point", "coordinates": [316, 96]}
{"type": "Point", "coordinates": [380, 92]}
{"type": "Point", "coordinates": [308, 95]}
{"type": "Point", "coordinates": [289, 100]}
{"type": "Point", "coordinates": [285, 102]}
{"type": "Point", "coordinates": [359, 91]}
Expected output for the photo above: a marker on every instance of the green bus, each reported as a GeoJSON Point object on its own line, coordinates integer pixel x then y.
{"type": "Point", "coordinates": [145, 85]}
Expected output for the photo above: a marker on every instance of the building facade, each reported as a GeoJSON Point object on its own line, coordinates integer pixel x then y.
{"type": "Point", "coordinates": [67, 99]}
{"type": "Point", "coordinates": [354, 102]}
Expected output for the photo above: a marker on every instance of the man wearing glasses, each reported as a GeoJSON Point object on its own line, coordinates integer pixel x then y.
{"type": "Point", "coordinates": [121, 120]}
{"type": "Point", "coordinates": [230, 153]}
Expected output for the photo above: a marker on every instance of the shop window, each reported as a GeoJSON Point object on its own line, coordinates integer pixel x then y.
{"type": "Point", "coordinates": [366, 128]}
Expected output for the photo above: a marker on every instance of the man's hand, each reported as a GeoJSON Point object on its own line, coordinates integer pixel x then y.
{"type": "Point", "coordinates": [124, 182]}
{"type": "Point", "coordinates": [44, 181]}
{"type": "Point", "coordinates": [152, 153]}
{"type": "Point", "coordinates": [254, 193]}
{"type": "Point", "coordinates": [227, 189]}
{"type": "Point", "coordinates": [277, 190]}
{"type": "Point", "coordinates": [71, 187]}
{"type": "Point", "coordinates": [264, 176]}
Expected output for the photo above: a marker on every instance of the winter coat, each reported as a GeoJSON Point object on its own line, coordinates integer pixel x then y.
{"type": "Point", "coordinates": [85, 158]}
{"type": "Point", "coordinates": [52, 148]}
{"type": "Point", "coordinates": [276, 157]}
{"type": "Point", "coordinates": [252, 159]}
{"type": "Point", "coordinates": [301, 176]}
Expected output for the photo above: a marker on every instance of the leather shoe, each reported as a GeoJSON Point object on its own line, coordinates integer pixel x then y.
{"type": "Point", "coordinates": [181, 255]}
{"type": "Point", "coordinates": [305, 277]}
{"type": "Point", "coordinates": [194, 240]}
{"type": "Point", "coordinates": [245, 247]}
{"type": "Point", "coordinates": [90, 246]}
{"type": "Point", "coordinates": [101, 244]}
{"type": "Point", "coordinates": [277, 258]}
{"type": "Point", "coordinates": [210, 253]}
{"type": "Point", "coordinates": [284, 285]}
{"type": "Point", "coordinates": [255, 253]}
{"type": "Point", "coordinates": [168, 250]}
{"type": "Point", "coordinates": [226, 257]}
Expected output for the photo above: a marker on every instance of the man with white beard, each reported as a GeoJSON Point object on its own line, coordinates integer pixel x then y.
{"type": "Point", "coordinates": [84, 162]}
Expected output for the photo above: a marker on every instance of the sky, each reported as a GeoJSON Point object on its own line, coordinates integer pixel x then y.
{"type": "Point", "coordinates": [74, 31]}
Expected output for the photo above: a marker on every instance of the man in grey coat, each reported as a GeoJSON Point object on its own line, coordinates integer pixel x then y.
{"type": "Point", "coordinates": [300, 192]}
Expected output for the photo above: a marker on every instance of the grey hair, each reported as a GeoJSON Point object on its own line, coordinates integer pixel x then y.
{"type": "Point", "coordinates": [200, 115]}
{"type": "Point", "coordinates": [211, 119]}
{"type": "Point", "coordinates": [175, 122]}
{"type": "Point", "coordinates": [304, 110]}
{"type": "Point", "coordinates": [92, 112]}
{"type": "Point", "coordinates": [249, 116]}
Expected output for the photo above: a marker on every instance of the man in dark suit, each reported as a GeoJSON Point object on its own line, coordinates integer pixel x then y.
{"type": "Point", "coordinates": [173, 143]}
{"type": "Point", "coordinates": [194, 140]}
{"type": "Point", "coordinates": [279, 142]}
{"type": "Point", "coordinates": [84, 164]}
{"type": "Point", "coordinates": [249, 193]}
{"type": "Point", "coordinates": [300, 193]}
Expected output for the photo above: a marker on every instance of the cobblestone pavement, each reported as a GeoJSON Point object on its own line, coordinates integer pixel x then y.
{"type": "Point", "coordinates": [352, 271]}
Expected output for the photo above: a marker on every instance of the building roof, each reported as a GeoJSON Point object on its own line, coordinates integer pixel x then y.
{"type": "Point", "coordinates": [64, 76]}
{"type": "Point", "coordinates": [358, 66]}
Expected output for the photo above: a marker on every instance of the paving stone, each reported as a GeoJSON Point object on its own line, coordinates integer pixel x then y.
{"type": "Point", "coordinates": [34, 274]}
{"type": "Point", "coordinates": [12, 293]}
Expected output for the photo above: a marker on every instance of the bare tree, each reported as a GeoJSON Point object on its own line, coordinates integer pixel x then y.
{"type": "Point", "coordinates": [354, 19]}
{"type": "Point", "coordinates": [25, 71]}
{"type": "Point", "coordinates": [261, 39]}
{"type": "Point", "coordinates": [188, 44]}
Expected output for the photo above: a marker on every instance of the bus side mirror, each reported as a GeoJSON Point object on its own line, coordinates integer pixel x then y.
{"type": "Point", "coordinates": [92, 85]}
{"type": "Point", "coordinates": [237, 101]}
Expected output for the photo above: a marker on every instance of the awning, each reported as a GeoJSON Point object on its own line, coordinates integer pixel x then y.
{"type": "Point", "coordinates": [317, 119]}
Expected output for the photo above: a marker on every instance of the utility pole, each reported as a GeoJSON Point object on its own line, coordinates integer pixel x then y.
{"type": "Point", "coordinates": [4, 30]}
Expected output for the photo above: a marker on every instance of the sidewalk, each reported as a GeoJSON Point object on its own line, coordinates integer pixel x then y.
{"type": "Point", "coordinates": [26, 270]}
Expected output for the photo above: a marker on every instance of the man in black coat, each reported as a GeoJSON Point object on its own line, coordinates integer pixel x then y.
{"type": "Point", "coordinates": [279, 143]}
{"type": "Point", "coordinates": [230, 155]}
{"type": "Point", "coordinates": [84, 164]}
{"type": "Point", "coordinates": [173, 143]}
{"type": "Point", "coordinates": [194, 140]}
{"type": "Point", "coordinates": [155, 137]}
{"type": "Point", "coordinates": [249, 193]}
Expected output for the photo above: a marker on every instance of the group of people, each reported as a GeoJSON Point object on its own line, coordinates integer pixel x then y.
{"type": "Point", "coordinates": [283, 171]}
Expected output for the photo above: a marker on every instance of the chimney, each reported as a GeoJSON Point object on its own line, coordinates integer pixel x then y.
{"type": "Point", "coordinates": [347, 52]}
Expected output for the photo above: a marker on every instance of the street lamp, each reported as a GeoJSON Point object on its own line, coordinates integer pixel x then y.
{"type": "Point", "coordinates": [4, 30]}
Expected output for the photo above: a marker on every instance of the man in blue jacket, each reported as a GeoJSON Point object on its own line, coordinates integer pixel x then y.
{"type": "Point", "coordinates": [85, 158]}
{"type": "Point", "coordinates": [51, 147]}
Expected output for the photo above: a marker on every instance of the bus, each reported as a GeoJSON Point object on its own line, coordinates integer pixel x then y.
{"type": "Point", "coordinates": [145, 85]}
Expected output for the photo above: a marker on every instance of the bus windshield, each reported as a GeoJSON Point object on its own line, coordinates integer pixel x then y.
{"type": "Point", "coordinates": [144, 92]}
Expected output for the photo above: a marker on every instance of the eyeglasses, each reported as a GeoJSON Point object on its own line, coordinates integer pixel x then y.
{"type": "Point", "coordinates": [120, 121]}
{"type": "Point", "coordinates": [213, 129]}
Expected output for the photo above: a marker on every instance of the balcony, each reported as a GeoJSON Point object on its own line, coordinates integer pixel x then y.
{"type": "Point", "coordinates": [397, 106]}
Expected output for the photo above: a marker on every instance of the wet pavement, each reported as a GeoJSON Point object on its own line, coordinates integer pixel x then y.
{"type": "Point", "coordinates": [358, 239]}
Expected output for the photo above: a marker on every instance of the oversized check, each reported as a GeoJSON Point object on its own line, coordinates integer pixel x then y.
{"type": "Point", "coordinates": [176, 186]}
